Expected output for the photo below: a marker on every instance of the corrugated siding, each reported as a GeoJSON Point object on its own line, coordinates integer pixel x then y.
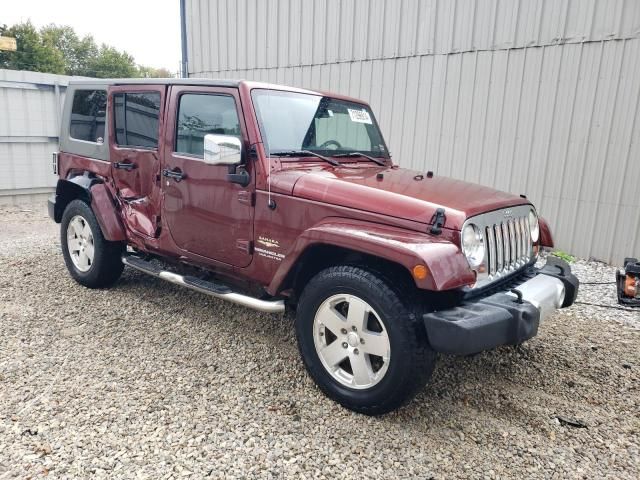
{"type": "Point", "coordinates": [531, 96]}
{"type": "Point", "coordinates": [250, 34]}
{"type": "Point", "coordinates": [30, 106]}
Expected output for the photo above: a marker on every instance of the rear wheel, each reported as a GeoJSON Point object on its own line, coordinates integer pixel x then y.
{"type": "Point", "coordinates": [91, 260]}
{"type": "Point", "coordinates": [362, 341]}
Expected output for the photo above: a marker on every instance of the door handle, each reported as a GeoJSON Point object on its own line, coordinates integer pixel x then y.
{"type": "Point", "coordinates": [176, 174]}
{"type": "Point", "coordinates": [126, 165]}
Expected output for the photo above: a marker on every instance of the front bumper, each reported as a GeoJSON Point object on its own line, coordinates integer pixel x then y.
{"type": "Point", "coordinates": [508, 317]}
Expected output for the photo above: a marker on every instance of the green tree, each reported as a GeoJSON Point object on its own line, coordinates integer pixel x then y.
{"type": "Point", "coordinates": [150, 72]}
{"type": "Point", "coordinates": [59, 49]}
{"type": "Point", "coordinates": [76, 51]}
{"type": "Point", "coordinates": [110, 63]}
{"type": "Point", "coordinates": [33, 53]}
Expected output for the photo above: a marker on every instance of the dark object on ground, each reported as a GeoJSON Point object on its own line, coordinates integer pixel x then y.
{"type": "Point", "coordinates": [629, 283]}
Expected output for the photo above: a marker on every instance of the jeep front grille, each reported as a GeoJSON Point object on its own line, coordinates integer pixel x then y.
{"type": "Point", "coordinates": [507, 239]}
{"type": "Point", "coordinates": [508, 245]}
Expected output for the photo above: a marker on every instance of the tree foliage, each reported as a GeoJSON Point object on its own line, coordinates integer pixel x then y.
{"type": "Point", "coordinates": [59, 49]}
{"type": "Point", "coordinates": [32, 51]}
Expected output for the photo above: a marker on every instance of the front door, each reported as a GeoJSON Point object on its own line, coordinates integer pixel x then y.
{"type": "Point", "coordinates": [136, 113]}
{"type": "Point", "coordinates": [207, 215]}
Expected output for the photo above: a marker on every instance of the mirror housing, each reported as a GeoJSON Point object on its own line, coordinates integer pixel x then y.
{"type": "Point", "coordinates": [222, 149]}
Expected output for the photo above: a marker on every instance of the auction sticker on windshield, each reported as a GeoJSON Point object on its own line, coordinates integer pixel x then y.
{"type": "Point", "coordinates": [360, 116]}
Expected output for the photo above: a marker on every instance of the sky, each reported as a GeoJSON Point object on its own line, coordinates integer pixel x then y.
{"type": "Point", "coordinates": [147, 29]}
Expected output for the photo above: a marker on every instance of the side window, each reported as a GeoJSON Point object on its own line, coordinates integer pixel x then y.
{"type": "Point", "coordinates": [201, 114]}
{"type": "Point", "coordinates": [88, 114]}
{"type": "Point", "coordinates": [136, 119]}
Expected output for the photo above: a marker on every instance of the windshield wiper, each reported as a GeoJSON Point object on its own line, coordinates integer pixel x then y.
{"type": "Point", "coordinates": [305, 153]}
{"type": "Point", "coordinates": [363, 155]}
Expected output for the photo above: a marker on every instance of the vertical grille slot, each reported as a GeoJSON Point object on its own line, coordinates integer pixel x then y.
{"type": "Point", "coordinates": [527, 236]}
{"type": "Point", "coordinates": [524, 251]}
{"type": "Point", "coordinates": [513, 244]}
{"type": "Point", "coordinates": [499, 247]}
{"type": "Point", "coordinates": [519, 237]}
{"type": "Point", "coordinates": [491, 249]}
{"type": "Point", "coordinates": [507, 244]}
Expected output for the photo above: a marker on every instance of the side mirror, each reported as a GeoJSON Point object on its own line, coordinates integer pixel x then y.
{"type": "Point", "coordinates": [222, 149]}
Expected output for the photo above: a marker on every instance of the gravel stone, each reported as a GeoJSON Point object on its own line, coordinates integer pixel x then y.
{"type": "Point", "coordinates": [148, 380]}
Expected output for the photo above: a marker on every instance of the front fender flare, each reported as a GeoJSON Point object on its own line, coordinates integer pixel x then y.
{"type": "Point", "coordinates": [546, 238]}
{"type": "Point", "coordinates": [447, 266]}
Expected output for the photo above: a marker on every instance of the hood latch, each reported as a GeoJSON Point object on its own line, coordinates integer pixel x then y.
{"type": "Point", "coordinates": [437, 221]}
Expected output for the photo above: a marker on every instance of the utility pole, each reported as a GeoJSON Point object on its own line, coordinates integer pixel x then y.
{"type": "Point", "coordinates": [184, 67]}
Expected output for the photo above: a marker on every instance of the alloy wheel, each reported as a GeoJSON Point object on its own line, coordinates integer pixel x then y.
{"type": "Point", "coordinates": [351, 341]}
{"type": "Point", "coordinates": [80, 243]}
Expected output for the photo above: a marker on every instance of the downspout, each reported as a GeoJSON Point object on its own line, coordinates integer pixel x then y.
{"type": "Point", "coordinates": [184, 72]}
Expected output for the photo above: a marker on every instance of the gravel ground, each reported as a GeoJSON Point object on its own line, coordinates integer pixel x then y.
{"type": "Point", "coordinates": [150, 380]}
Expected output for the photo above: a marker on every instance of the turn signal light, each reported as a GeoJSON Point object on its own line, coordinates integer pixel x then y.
{"type": "Point", "coordinates": [420, 272]}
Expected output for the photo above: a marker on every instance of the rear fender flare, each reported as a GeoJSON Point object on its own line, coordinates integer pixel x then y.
{"type": "Point", "coordinates": [74, 187]}
{"type": "Point", "coordinates": [93, 191]}
{"type": "Point", "coordinates": [447, 267]}
{"type": "Point", "coordinates": [104, 209]}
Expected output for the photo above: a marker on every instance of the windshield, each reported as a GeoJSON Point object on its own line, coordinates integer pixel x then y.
{"type": "Point", "coordinates": [297, 121]}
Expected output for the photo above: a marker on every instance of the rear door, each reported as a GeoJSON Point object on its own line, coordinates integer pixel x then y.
{"type": "Point", "coordinates": [207, 214]}
{"type": "Point", "coordinates": [134, 151]}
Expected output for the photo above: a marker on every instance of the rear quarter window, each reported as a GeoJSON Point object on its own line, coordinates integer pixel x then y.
{"type": "Point", "coordinates": [88, 114]}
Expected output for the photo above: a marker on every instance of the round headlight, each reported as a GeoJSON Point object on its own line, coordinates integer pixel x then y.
{"type": "Point", "coordinates": [534, 226]}
{"type": "Point", "coordinates": [472, 245]}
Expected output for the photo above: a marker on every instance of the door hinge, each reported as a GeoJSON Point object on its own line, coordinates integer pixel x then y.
{"type": "Point", "coordinates": [245, 246]}
{"type": "Point", "coordinates": [246, 197]}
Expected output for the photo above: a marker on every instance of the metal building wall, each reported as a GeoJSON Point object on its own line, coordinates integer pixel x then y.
{"type": "Point", "coordinates": [30, 107]}
{"type": "Point", "coordinates": [529, 96]}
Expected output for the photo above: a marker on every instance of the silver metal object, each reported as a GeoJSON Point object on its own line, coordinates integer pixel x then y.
{"type": "Point", "coordinates": [544, 292]}
{"type": "Point", "coordinates": [364, 361]}
{"type": "Point", "coordinates": [268, 306]}
{"type": "Point", "coordinates": [80, 243]}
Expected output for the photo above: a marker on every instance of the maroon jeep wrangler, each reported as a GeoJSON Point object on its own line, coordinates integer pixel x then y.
{"type": "Point", "coordinates": [279, 198]}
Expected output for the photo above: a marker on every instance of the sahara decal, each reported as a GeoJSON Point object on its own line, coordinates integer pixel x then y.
{"type": "Point", "coordinates": [268, 242]}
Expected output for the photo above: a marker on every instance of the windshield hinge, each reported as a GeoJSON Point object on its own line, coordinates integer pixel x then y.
{"type": "Point", "coordinates": [437, 221]}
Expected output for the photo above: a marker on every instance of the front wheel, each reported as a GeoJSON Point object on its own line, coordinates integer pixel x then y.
{"type": "Point", "coordinates": [362, 341]}
{"type": "Point", "coordinates": [92, 260]}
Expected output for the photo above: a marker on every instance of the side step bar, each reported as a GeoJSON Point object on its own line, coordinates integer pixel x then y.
{"type": "Point", "coordinates": [210, 288]}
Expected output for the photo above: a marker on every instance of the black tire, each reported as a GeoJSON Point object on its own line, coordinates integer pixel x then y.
{"type": "Point", "coordinates": [411, 360]}
{"type": "Point", "coordinates": [107, 266]}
